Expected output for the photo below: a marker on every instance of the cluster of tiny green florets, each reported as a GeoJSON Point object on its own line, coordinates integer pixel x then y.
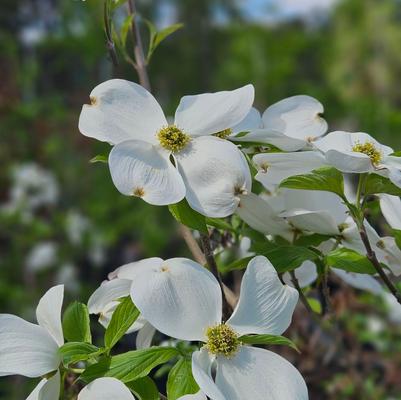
{"type": "Point", "coordinates": [222, 340]}
{"type": "Point", "coordinates": [173, 138]}
{"type": "Point", "coordinates": [223, 134]}
{"type": "Point", "coordinates": [370, 150]}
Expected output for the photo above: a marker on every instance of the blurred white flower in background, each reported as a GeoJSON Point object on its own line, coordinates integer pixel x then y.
{"type": "Point", "coordinates": [42, 256]}
{"type": "Point", "coordinates": [32, 187]}
{"type": "Point", "coordinates": [77, 225]}
{"type": "Point", "coordinates": [67, 275]}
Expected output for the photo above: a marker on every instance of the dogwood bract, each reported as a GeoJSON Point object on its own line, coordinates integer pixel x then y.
{"type": "Point", "coordinates": [113, 389]}
{"type": "Point", "coordinates": [291, 124]}
{"type": "Point", "coordinates": [183, 300]}
{"type": "Point", "coordinates": [163, 163]}
{"type": "Point", "coordinates": [33, 350]}
{"type": "Point", "coordinates": [358, 152]}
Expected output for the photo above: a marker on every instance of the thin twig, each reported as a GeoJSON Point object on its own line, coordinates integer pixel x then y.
{"type": "Point", "coordinates": [192, 244]}
{"type": "Point", "coordinates": [211, 262]}
{"type": "Point", "coordinates": [140, 60]}
{"type": "Point", "coordinates": [302, 297]}
{"type": "Point", "coordinates": [371, 255]}
{"type": "Point", "coordinates": [325, 292]}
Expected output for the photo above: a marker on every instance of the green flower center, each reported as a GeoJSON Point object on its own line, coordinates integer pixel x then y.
{"type": "Point", "coordinates": [223, 134]}
{"type": "Point", "coordinates": [370, 150]}
{"type": "Point", "coordinates": [222, 340]}
{"type": "Point", "coordinates": [173, 138]}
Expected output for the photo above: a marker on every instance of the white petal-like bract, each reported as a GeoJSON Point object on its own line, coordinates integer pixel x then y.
{"type": "Point", "coordinates": [143, 170]}
{"type": "Point", "coordinates": [105, 389]}
{"type": "Point", "coordinates": [48, 313]}
{"type": "Point", "coordinates": [275, 167]}
{"type": "Point", "coordinates": [202, 372]}
{"type": "Point", "coordinates": [180, 298]}
{"type": "Point", "coordinates": [253, 120]}
{"type": "Point", "coordinates": [26, 349]}
{"type": "Point", "coordinates": [120, 111]}
{"type": "Point", "coordinates": [107, 293]}
{"type": "Point", "coordinates": [259, 374]}
{"type": "Point", "coordinates": [297, 117]}
{"type": "Point", "coordinates": [259, 215]}
{"type": "Point", "coordinates": [391, 210]}
{"type": "Point", "coordinates": [215, 173]}
{"type": "Point", "coordinates": [265, 305]}
{"type": "Point", "coordinates": [47, 389]}
{"type": "Point", "coordinates": [209, 113]}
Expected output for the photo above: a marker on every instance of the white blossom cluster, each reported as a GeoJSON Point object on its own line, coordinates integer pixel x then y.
{"type": "Point", "coordinates": [209, 156]}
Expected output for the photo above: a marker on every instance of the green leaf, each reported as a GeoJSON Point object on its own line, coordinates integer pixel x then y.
{"type": "Point", "coordinates": [129, 366]}
{"type": "Point", "coordinates": [157, 37]}
{"type": "Point", "coordinates": [125, 27]}
{"type": "Point", "coordinates": [237, 264]}
{"type": "Point", "coordinates": [349, 260]}
{"type": "Point", "coordinates": [312, 240]}
{"type": "Point", "coordinates": [99, 158]}
{"type": "Point", "coordinates": [268, 339]}
{"type": "Point", "coordinates": [164, 33]}
{"type": "Point", "coordinates": [283, 258]}
{"type": "Point", "coordinates": [116, 3]}
{"type": "Point", "coordinates": [76, 323]}
{"type": "Point", "coordinates": [183, 213]}
{"type": "Point", "coordinates": [180, 380]}
{"type": "Point", "coordinates": [220, 224]}
{"type": "Point", "coordinates": [327, 179]}
{"type": "Point", "coordinates": [123, 317]}
{"type": "Point", "coordinates": [72, 352]}
{"type": "Point", "coordinates": [379, 184]}
{"type": "Point", "coordinates": [144, 389]}
{"type": "Point", "coordinates": [287, 258]}
{"type": "Point", "coordinates": [315, 305]}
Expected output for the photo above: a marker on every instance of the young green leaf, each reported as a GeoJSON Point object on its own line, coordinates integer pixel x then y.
{"type": "Point", "coordinates": [269, 340]}
{"type": "Point", "coordinates": [220, 224]}
{"type": "Point", "coordinates": [180, 380]}
{"type": "Point", "coordinates": [129, 366]}
{"type": "Point", "coordinates": [327, 179]}
{"type": "Point", "coordinates": [72, 352]}
{"type": "Point", "coordinates": [379, 184]}
{"type": "Point", "coordinates": [283, 258]}
{"type": "Point", "coordinates": [144, 389]}
{"type": "Point", "coordinates": [349, 260]}
{"type": "Point", "coordinates": [76, 323]}
{"type": "Point", "coordinates": [99, 158]}
{"type": "Point", "coordinates": [287, 258]}
{"type": "Point", "coordinates": [155, 38]}
{"type": "Point", "coordinates": [123, 317]}
{"type": "Point", "coordinates": [183, 213]}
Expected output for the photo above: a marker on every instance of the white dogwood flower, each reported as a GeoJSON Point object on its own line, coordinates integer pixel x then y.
{"type": "Point", "coordinates": [32, 350]}
{"type": "Point", "coordinates": [291, 124]}
{"type": "Point", "coordinates": [164, 163]}
{"type": "Point", "coordinates": [358, 152]}
{"type": "Point", "coordinates": [183, 300]}
{"type": "Point", "coordinates": [104, 300]}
